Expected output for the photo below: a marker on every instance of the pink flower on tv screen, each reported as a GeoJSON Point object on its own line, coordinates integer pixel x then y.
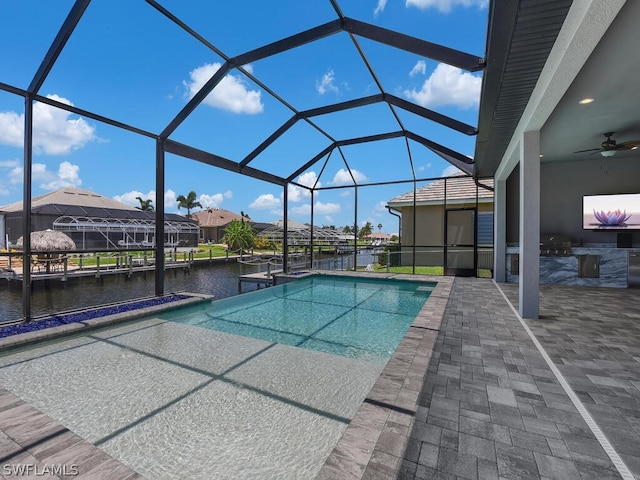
{"type": "Point", "coordinates": [615, 217]}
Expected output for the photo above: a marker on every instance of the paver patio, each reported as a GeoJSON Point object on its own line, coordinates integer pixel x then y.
{"type": "Point", "coordinates": [492, 408]}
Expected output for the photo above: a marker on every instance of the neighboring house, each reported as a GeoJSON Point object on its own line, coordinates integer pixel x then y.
{"type": "Point", "coordinates": [430, 207]}
{"type": "Point", "coordinates": [212, 222]}
{"type": "Point", "coordinates": [379, 238]}
{"type": "Point", "coordinates": [94, 221]}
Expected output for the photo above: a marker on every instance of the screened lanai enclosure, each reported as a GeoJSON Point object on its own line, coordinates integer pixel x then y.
{"type": "Point", "coordinates": [307, 134]}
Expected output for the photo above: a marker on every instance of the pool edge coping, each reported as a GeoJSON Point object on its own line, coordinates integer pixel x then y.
{"type": "Point", "coordinates": [51, 333]}
{"type": "Point", "coordinates": [374, 442]}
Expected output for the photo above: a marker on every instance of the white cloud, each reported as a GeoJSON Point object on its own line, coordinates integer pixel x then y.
{"type": "Point", "coordinates": [379, 208]}
{"type": "Point", "coordinates": [326, 208]}
{"type": "Point", "coordinates": [228, 194]}
{"type": "Point", "coordinates": [4, 191]}
{"type": "Point", "coordinates": [309, 179]}
{"type": "Point", "coordinates": [422, 168]}
{"type": "Point", "coordinates": [66, 176]}
{"type": "Point", "coordinates": [170, 201]}
{"type": "Point", "coordinates": [326, 84]}
{"type": "Point", "coordinates": [445, 6]}
{"type": "Point", "coordinates": [319, 208]}
{"type": "Point", "coordinates": [230, 94]}
{"type": "Point", "coordinates": [448, 85]}
{"type": "Point", "coordinates": [380, 8]}
{"type": "Point", "coordinates": [450, 170]}
{"type": "Point", "coordinates": [15, 175]}
{"type": "Point", "coordinates": [302, 209]}
{"type": "Point", "coordinates": [297, 194]}
{"type": "Point", "coordinates": [342, 177]}
{"type": "Point", "coordinates": [54, 132]}
{"type": "Point", "coordinates": [129, 198]}
{"type": "Point", "coordinates": [420, 67]}
{"type": "Point", "coordinates": [211, 201]}
{"type": "Point", "coordinates": [264, 201]}
{"type": "Point", "coordinates": [9, 163]}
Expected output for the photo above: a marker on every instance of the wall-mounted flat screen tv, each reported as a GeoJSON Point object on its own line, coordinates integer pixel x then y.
{"type": "Point", "coordinates": [611, 212]}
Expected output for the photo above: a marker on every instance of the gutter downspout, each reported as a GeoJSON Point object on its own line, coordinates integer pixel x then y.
{"type": "Point", "coordinates": [399, 222]}
{"type": "Point", "coordinates": [399, 215]}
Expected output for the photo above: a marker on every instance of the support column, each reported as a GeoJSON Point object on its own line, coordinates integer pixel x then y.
{"type": "Point", "coordinates": [414, 220]}
{"type": "Point", "coordinates": [499, 230]}
{"type": "Point", "coordinates": [529, 288]}
{"type": "Point", "coordinates": [285, 233]}
{"type": "Point", "coordinates": [159, 230]}
{"type": "Point", "coordinates": [311, 239]}
{"type": "Point", "coordinates": [26, 208]}
{"type": "Point", "coordinates": [356, 229]}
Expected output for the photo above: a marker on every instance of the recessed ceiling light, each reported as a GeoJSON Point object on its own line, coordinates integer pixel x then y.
{"type": "Point", "coordinates": [541, 155]}
{"type": "Point", "coordinates": [585, 101]}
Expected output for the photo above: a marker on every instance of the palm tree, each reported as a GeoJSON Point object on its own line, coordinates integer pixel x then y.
{"type": "Point", "coordinates": [188, 202]}
{"type": "Point", "coordinates": [145, 205]}
{"type": "Point", "coordinates": [244, 215]}
{"type": "Point", "coordinates": [365, 231]}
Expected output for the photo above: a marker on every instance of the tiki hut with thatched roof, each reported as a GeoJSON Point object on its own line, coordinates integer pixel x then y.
{"type": "Point", "coordinates": [49, 241]}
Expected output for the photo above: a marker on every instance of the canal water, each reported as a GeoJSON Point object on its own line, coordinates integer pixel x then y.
{"type": "Point", "coordinates": [219, 280]}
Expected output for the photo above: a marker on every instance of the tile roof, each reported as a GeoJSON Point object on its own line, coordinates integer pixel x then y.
{"type": "Point", "coordinates": [458, 188]}
{"type": "Point", "coordinates": [70, 196]}
{"type": "Point", "coordinates": [214, 217]}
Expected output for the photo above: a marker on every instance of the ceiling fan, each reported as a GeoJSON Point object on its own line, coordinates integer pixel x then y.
{"type": "Point", "coordinates": [609, 147]}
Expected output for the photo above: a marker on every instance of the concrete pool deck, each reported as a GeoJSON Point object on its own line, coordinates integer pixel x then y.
{"type": "Point", "coordinates": [489, 405]}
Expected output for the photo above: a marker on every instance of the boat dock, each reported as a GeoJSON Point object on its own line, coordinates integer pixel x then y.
{"type": "Point", "coordinates": [259, 279]}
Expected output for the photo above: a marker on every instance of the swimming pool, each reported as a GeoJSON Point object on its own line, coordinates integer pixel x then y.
{"type": "Point", "coordinates": [354, 317]}
{"type": "Point", "coordinates": [175, 400]}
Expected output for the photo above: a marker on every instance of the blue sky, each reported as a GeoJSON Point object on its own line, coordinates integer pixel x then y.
{"type": "Point", "coordinates": [127, 62]}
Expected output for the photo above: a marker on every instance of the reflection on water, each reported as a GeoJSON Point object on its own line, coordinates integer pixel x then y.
{"type": "Point", "coordinates": [219, 280]}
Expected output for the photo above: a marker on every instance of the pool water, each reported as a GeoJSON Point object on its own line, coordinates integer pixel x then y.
{"type": "Point", "coordinates": [174, 400]}
{"type": "Point", "coordinates": [352, 317]}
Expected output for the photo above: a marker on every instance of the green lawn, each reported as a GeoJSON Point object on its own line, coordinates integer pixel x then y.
{"type": "Point", "coordinates": [420, 270]}
{"type": "Point", "coordinates": [408, 269]}
{"type": "Point", "coordinates": [203, 251]}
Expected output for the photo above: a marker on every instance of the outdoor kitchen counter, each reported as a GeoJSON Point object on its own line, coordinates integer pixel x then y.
{"type": "Point", "coordinates": [611, 270]}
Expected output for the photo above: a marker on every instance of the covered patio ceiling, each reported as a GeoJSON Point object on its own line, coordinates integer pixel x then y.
{"type": "Point", "coordinates": [530, 85]}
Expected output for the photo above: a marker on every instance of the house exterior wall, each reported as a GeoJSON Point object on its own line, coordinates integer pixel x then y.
{"type": "Point", "coordinates": [429, 232]}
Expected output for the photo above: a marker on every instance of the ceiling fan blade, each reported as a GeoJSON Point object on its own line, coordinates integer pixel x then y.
{"type": "Point", "coordinates": [589, 150]}
{"type": "Point", "coordinates": [628, 145]}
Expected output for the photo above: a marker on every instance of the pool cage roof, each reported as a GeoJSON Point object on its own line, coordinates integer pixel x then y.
{"type": "Point", "coordinates": [357, 37]}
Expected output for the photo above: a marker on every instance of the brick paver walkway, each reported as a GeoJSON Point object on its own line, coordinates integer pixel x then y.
{"type": "Point", "coordinates": [491, 407]}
